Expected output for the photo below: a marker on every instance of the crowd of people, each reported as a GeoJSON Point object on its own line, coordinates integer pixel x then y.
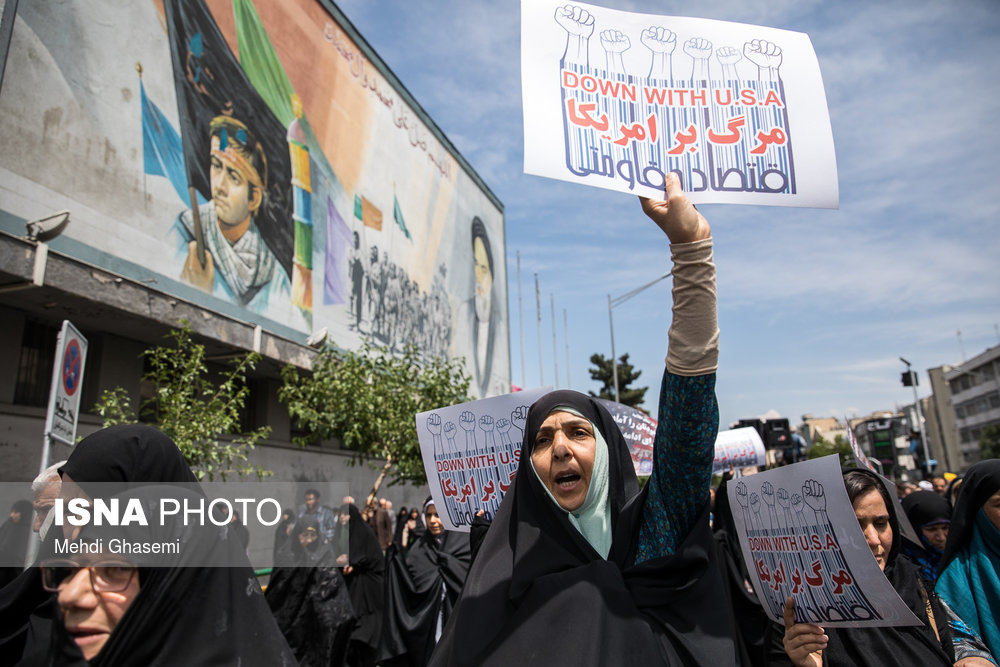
{"type": "Point", "coordinates": [580, 565]}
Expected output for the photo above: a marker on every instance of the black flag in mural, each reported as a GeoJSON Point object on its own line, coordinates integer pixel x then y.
{"type": "Point", "coordinates": [211, 83]}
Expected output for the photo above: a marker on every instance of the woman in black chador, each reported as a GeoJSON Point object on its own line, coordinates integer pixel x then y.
{"type": "Point", "coordinates": [360, 558]}
{"type": "Point", "coordinates": [309, 598]}
{"type": "Point", "coordinates": [423, 586]}
{"type": "Point", "coordinates": [582, 568]}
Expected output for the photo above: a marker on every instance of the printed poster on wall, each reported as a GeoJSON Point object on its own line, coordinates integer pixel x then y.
{"type": "Point", "coordinates": [471, 453]}
{"type": "Point", "coordinates": [800, 539]}
{"type": "Point", "coordinates": [616, 100]}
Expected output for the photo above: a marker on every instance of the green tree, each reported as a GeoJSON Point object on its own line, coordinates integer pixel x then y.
{"type": "Point", "coordinates": [840, 446]}
{"type": "Point", "coordinates": [603, 372]}
{"type": "Point", "coordinates": [201, 416]}
{"type": "Point", "coordinates": [989, 442]}
{"type": "Point", "coordinates": [369, 399]}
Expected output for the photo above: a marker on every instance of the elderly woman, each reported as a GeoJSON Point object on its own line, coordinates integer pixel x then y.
{"type": "Point", "coordinates": [582, 568]}
{"type": "Point", "coordinates": [970, 568]}
{"type": "Point", "coordinates": [114, 613]}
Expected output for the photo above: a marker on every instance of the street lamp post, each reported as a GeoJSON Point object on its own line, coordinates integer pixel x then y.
{"type": "Point", "coordinates": [920, 417]}
{"type": "Point", "coordinates": [617, 301]}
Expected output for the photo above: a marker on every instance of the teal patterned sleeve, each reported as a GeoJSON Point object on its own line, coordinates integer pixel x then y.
{"type": "Point", "coordinates": [683, 451]}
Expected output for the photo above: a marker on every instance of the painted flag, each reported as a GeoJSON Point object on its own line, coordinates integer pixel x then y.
{"type": "Point", "coordinates": [338, 241]}
{"type": "Point", "coordinates": [397, 214]}
{"type": "Point", "coordinates": [368, 213]}
{"type": "Point", "coordinates": [210, 82]}
{"type": "Point", "coordinates": [162, 150]}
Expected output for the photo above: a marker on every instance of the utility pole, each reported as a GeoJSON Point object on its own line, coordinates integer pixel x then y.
{"type": "Point", "coordinates": [920, 416]}
{"type": "Point", "coordinates": [555, 350]}
{"type": "Point", "coordinates": [569, 383]}
{"type": "Point", "coordinates": [538, 307]}
{"type": "Point", "coordinates": [520, 321]}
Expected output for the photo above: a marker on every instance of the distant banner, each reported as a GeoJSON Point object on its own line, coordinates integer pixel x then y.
{"type": "Point", "coordinates": [471, 453]}
{"type": "Point", "coordinates": [639, 430]}
{"type": "Point", "coordinates": [617, 100]}
{"type": "Point", "coordinates": [801, 539]}
{"type": "Point", "coordinates": [738, 448]}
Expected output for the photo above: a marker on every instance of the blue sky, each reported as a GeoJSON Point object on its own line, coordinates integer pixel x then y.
{"type": "Point", "coordinates": [815, 306]}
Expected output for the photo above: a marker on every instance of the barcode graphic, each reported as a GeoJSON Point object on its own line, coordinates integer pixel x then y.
{"type": "Point", "coordinates": [719, 135]}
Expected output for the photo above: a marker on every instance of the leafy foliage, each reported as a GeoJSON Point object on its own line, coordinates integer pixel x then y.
{"type": "Point", "coordinates": [368, 399]}
{"type": "Point", "coordinates": [202, 417]}
{"type": "Point", "coordinates": [989, 442]}
{"type": "Point", "coordinates": [603, 372]}
{"type": "Point", "coordinates": [840, 446]}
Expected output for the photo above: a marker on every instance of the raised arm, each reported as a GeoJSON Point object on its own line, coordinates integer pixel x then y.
{"type": "Point", "coordinates": [688, 414]}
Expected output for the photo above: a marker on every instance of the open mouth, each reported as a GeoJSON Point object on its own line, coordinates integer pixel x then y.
{"type": "Point", "coordinates": [567, 480]}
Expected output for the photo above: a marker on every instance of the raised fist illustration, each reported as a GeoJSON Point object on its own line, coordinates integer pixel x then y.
{"type": "Point", "coordinates": [519, 416]}
{"type": "Point", "coordinates": [575, 20]}
{"type": "Point", "coordinates": [755, 503]}
{"type": "Point", "coordinates": [764, 54]}
{"type": "Point", "coordinates": [698, 48]}
{"type": "Point", "coordinates": [449, 430]}
{"type": "Point", "coordinates": [503, 425]}
{"type": "Point", "coordinates": [812, 493]}
{"type": "Point", "coordinates": [767, 493]}
{"type": "Point", "coordinates": [486, 423]}
{"type": "Point", "coordinates": [467, 421]}
{"type": "Point", "coordinates": [659, 40]}
{"type": "Point", "coordinates": [741, 494]}
{"type": "Point", "coordinates": [797, 503]}
{"type": "Point", "coordinates": [783, 498]}
{"type": "Point", "coordinates": [615, 41]}
{"type": "Point", "coordinates": [434, 423]}
{"type": "Point", "coordinates": [727, 55]}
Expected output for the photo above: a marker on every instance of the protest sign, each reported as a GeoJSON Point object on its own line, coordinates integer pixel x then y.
{"type": "Point", "coordinates": [471, 453]}
{"type": "Point", "coordinates": [639, 429]}
{"type": "Point", "coordinates": [739, 448]}
{"type": "Point", "coordinates": [801, 539]}
{"type": "Point", "coordinates": [616, 100]}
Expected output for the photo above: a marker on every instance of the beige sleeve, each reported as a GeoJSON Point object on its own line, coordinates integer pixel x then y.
{"type": "Point", "coordinates": [693, 347]}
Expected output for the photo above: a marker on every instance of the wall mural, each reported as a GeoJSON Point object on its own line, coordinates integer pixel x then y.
{"type": "Point", "coordinates": [253, 158]}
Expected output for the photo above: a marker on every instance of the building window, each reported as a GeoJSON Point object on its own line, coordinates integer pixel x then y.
{"type": "Point", "coordinates": [34, 367]}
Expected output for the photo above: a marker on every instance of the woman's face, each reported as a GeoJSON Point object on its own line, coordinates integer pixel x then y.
{"type": "Point", "coordinates": [873, 516]}
{"type": "Point", "coordinates": [89, 616]}
{"type": "Point", "coordinates": [936, 534]}
{"type": "Point", "coordinates": [992, 509]}
{"type": "Point", "coordinates": [433, 521]}
{"type": "Point", "coordinates": [563, 457]}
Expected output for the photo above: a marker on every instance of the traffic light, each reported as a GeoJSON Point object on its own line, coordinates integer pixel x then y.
{"type": "Point", "coordinates": [911, 379]}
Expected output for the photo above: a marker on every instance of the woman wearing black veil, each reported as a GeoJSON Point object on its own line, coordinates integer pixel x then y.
{"type": "Point", "coordinates": [582, 568]}
{"type": "Point", "coordinates": [423, 586]}
{"type": "Point", "coordinates": [309, 598]}
{"type": "Point", "coordinates": [182, 615]}
{"type": "Point", "coordinates": [361, 560]}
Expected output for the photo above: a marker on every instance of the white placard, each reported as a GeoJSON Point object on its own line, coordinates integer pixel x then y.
{"type": "Point", "coordinates": [471, 453]}
{"type": "Point", "coordinates": [616, 99]}
{"type": "Point", "coordinates": [739, 448]}
{"type": "Point", "coordinates": [800, 538]}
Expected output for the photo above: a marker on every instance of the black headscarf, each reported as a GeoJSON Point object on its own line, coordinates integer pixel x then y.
{"type": "Point", "coordinates": [310, 600]}
{"type": "Point", "coordinates": [924, 508]}
{"type": "Point", "coordinates": [188, 615]}
{"type": "Point", "coordinates": [538, 593]}
{"type": "Point", "coordinates": [885, 646]}
{"type": "Point", "coordinates": [414, 599]}
{"type": "Point", "coordinates": [14, 541]}
{"type": "Point", "coordinates": [367, 576]}
{"type": "Point", "coordinates": [981, 481]}
{"type": "Point", "coordinates": [127, 453]}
